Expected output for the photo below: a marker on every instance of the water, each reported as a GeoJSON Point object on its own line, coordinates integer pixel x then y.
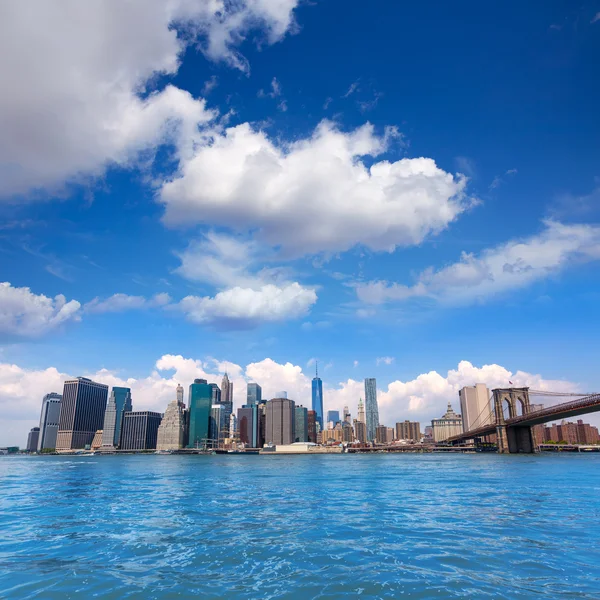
{"type": "Point", "coordinates": [384, 526]}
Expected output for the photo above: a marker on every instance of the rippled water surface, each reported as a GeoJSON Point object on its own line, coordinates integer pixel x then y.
{"type": "Point", "coordinates": [384, 526]}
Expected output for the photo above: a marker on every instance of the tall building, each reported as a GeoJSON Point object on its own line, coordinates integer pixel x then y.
{"type": "Point", "coordinates": [251, 425]}
{"type": "Point", "coordinates": [253, 394]}
{"type": "Point", "coordinates": [312, 426]}
{"type": "Point", "coordinates": [81, 413]}
{"type": "Point", "coordinates": [361, 411]}
{"type": "Point", "coordinates": [179, 395]}
{"type": "Point", "coordinates": [360, 431]}
{"type": "Point", "coordinates": [226, 390]}
{"type": "Point", "coordinates": [450, 424]}
{"type": "Point", "coordinates": [200, 399]}
{"type": "Point", "coordinates": [171, 432]}
{"type": "Point", "coordinates": [301, 424]}
{"type": "Point", "coordinates": [233, 427]}
{"type": "Point", "coordinates": [119, 402]}
{"type": "Point", "coordinates": [381, 434]}
{"type": "Point", "coordinates": [333, 416]}
{"type": "Point", "coordinates": [347, 416]}
{"type": "Point", "coordinates": [49, 419]}
{"type": "Point", "coordinates": [372, 410]}
{"type": "Point", "coordinates": [215, 396]}
{"type": "Point", "coordinates": [139, 430]}
{"type": "Point", "coordinates": [409, 430]}
{"type": "Point", "coordinates": [33, 439]}
{"type": "Point", "coordinates": [280, 421]}
{"type": "Point", "coordinates": [347, 432]}
{"type": "Point", "coordinates": [317, 397]}
{"type": "Point", "coordinates": [475, 406]}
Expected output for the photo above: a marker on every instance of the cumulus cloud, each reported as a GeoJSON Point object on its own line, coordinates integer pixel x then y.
{"type": "Point", "coordinates": [75, 80]}
{"type": "Point", "coordinates": [23, 313]}
{"type": "Point", "coordinates": [510, 266]}
{"type": "Point", "coordinates": [122, 302]}
{"type": "Point", "coordinates": [316, 194]}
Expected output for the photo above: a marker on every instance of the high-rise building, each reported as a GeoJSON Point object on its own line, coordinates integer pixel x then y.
{"type": "Point", "coordinates": [333, 416]}
{"type": "Point", "coordinates": [301, 424]}
{"type": "Point", "coordinates": [312, 426]}
{"type": "Point", "coordinates": [347, 416]}
{"type": "Point", "coordinates": [233, 427]}
{"type": "Point", "coordinates": [381, 434]}
{"type": "Point", "coordinates": [226, 390]}
{"type": "Point", "coordinates": [119, 402]}
{"type": "Point", "coordinates": [372, 409]}
{"type": "Point", "coordinates": [253, 394]}
{"type": "Point", "coordinates": [81, 413]}
{"type": "Point", "coordinates": [139, 430]}
{"type": "Point", "coordinates": [281, 394]}
{"type": "Point", "coordinates": [179, 395]}
{"type": "Point", "coordinates": [280, 421]}
{"type": "Point", "coordinates": [49, 419]}
{"type": "Point", "coordinates": [450, 424]}
{"type": "Point", "coordinates": [215, 396]}
{"type": "Point", "coordinates": [215, 424]}
{"type": "Point", "coordinates": [33, 439]}
{"type": "Point", "coordinates": [200, 399]}
{"type": "Point", "coordinates": [475, 406]}
{"type": "Point", "coordinates": [171, 432]}
{"type": "Point", "coordinates": [317, 397]}
{"type": "Point", "coordinates": [360, 431]}
{"type": "Point", "coordinates": [251, 425]}
{"type": "Point", "coordinates": [361, 411]}
{"type": "Point", "coordinates": [347, 432]}
{"type": "Point", "coordinates": [408, 430]}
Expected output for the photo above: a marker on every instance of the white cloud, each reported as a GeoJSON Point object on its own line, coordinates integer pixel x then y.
{"type": "Point", "coordinates": [385, 360]}
{"type": "Point", "coordinates": [421, 399]}
{"type": "Point", "coordinates": [246, 307]}
{"type": "Point", "coordinates": [24, 313]}
{"type": "Point", "coordinates": [73, 75]}
{"type": "Point", "coordinates": [595, 18]}
{"type": "Point", "coordinates": [316, 194]}
{"type": "Point", "coordinates": [355, 364]}
{"type": "Point", "coordinates": [510, 266]}
{"type": "Point", "coordinates": [122, 302]}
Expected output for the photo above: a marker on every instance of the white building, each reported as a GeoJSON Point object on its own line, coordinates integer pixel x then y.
{"type": "Point", "coordinates": [450, 424]}
{"type": "Point", "coordinates": [475, 406]}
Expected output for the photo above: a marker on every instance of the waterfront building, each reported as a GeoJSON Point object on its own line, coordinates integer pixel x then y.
{"type": "Point", "coordinates": [571, 433]}
{"type": "Point", "coordinates": [372, 410]}
{"type": "Point", "coordinates": [81, 413]}
{"type": "Point", "coordinates": [381, 434]}
{"type": "Point", "coordinates": [361, 411]}
{"type": "Point", "coordinates": [171, 431]}
{"type": "Point", "coordinates": [312, 426]}
{"type": "Point", "coordinates": [215, 425]}
{"type": "Point", "coordinates": [333, 436]}
{"type": "Point", "coordinates": [226, 390]}
{"type": "Point", "coordinates": [49, 419]}
{"type": "Point", "coordinates": [233, 425]}
{"type": "Point", "coordinates": [139, 430]}
{"type": "Point", "coordinates": [586, 433]}
{"type": "Point", "coordinates": [428, 433]}
{"type": "Point", "coordinates": [347, 416]}
{"type": "Point", "coordinates": [200, 399]}
{"type": "Point", "coordinates": [119, 402]}
{"type": "Point", "coordinates": [447, 426]}
{"type": "Point", "coordinates": [179, 395]}
{"type": "Point", "coordinates": [475, 406]}
{"type": "Point", "coordinates": [347, 432]}
{"type": "Point", "coordinates": [33, 439]}
{"type": "Point", "coordinates": [360, 431]}
{"type": "Point", "coordinates": [333, 416]}
{"type": "Point", "coordinates": [253, 394]}
{"type": "Point", "coordinates": [317, 398]}
{"type": "Point", "coordinates": [280, 421]}
{"type": "Point", "coordinates": [97, 441]}
{"type": "Point", "coordinates": [537, 430]}
{"type": "Point", "coordinates": [409, 430]}
{"type": "Point", "coordinates": [246, 426]}
{"type": "Point", "coordinates": [301, 424]}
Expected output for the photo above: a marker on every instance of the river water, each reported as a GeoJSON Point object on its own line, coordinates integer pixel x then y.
{"type": "Point", "coordinates": [329, 526]}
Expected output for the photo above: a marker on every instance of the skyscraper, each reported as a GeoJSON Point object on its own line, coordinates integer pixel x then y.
{"type": "Point", "coordinates": [226, 390]}
{"type": "Point", "coordinates": [215, 396]}
{"type": "Point", "coordinates": [33, 439]}
{"type": "Point", "coordinates": [180, 395]}
{"type": "Point", "coordinates": [119, 402]}
{"type": "Point", "coordinates": [317, 397]}
{"type": "Point", "coordinates": [171, 432]}
{"type": "Point", "coordinates": [361, 411]}
{"type": "Point", "coordinates": [301, 424]}
{"type": "Point", "coordinates": [49, 419]}
{"type": "Point", "coordinates": [347, 417]}
{"type": "Point", "coordinates": [372, 410]}
{"type": "Point", "coordinates": [360, 431]}
{"type": "Point", "coordinates": [200, 399]}
{"type": "Point", "coordinates": [333, 416]}
{"type": "Point", "coordinates": [81, 413]}
{"type": "Point", "coordinates": [254, 394]}
{"type": "Point", "coordinates": [139, 430]}
{"type": "Point", "coordinates": [312, 426]}
{"type": "Point", "coordinates": [475, 406]}
{"type": "Point", "coordinates": [246, 429]}
{"type": "Point", "coordinates": [215, 425]}
{"type": "Point", "coordinates": [280, 421]}
{"type": "Point", "coordinates": [409, 430]}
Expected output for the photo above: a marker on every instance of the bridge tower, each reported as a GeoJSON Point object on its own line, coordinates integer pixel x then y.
{"type": "Point", "coordinates": [512, 439]}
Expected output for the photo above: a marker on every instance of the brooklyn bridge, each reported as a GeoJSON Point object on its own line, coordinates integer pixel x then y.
{"type": "Point", "coordinates": [513, 417]}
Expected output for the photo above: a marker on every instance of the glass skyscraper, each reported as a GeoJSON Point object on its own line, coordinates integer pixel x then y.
{"type": "Point", "coordinates": [119, 402]}
{"type": "Point", "coordinates": [49, 420]}
{"type": "Point", "coordinates": [371, 408]}
{"type": "Point", "coordinates": [333, 416]}
{"type": "Point", "coordinates": [200, 399]}
{"type": "Point", "coordinates": [254, 394]}
{"type": "Point", "coordinates": [317, 399]}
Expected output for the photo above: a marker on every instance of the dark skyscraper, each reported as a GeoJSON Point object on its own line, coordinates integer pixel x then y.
{"type": "Point", "coordinates": [254, 394]}
{"type": "Point", "coordinates": [49, 420]}
{"type": "Point", "coordinates": [119, 402]}
{"type": "Point", "coordinates": [317, 398]}
{"type": "Point", "coordinates": [280, 421]}
{"type": "Point", "coordinates": [371, 408]}
{"type": "Point", "coordinates": [81, 413]}
{"type": "Point", "coordinates": [139, 430]}
{"type": "Point", "coordinates": [33, 439]}
{"type": "Point", "coordinates": [200, 399]}
{"type": "Point", "coordinates": [312, 426]}
{"type": "Point", "coordinates": [301, 424]}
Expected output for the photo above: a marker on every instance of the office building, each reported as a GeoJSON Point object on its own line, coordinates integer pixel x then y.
{"type": "Point", "coordinates": [179, 395]}
{"type": "Point", "coordinates": [301, 424]}
{"type": "Point", "coordinates": [97, 441]}
{"type": "Point", "coordinates": [317, 398]}
{"type": "Point", "coordinates": [475, 406]}
{"type": "Point", "coordinates": [312, 426]}
{"type": "Point", "coordinates": [245, 420]}
{"type": "Point", "coordinates": [226, 390]}
{"type": "Point", "coordinates": [200, 399]}
{"type": "Point", "coordinates": [280, 421]}
{"type": "Point", "coordinates": [347, 416]}
{"type": "Point", "coordinates": [139, 430]}
{"type": "Point", "coordinates": [333, 416]}
{"type": "Point", "coordinates": [33, 439]}
{"type": "Point", "coordinates": [361, 411]}
{"type": "Point", "coordinates": [281, 394]}
{"type": "Point", "coordinates": [119, 402]}
{"type": "Point", "coordinates": [372, 409]}
{"type": "Point", "coordinates": [171, 432]}
{"type": "Point", "coordinates": [233, 425]}
{"type": "Point", "coordinates": [81, 413]}
{"type": "Point", "coordinates": [408, 430]}
{"type": "Point", "coordinates": [333, 436]}
{"type": "Point", "coordinates": [347, 432]}
{"type": "Point", "coordinates": [253, 394]}
{"type": "Point", "coordinates": [215, 396]}
{"type": "Point", "coordinates": [447, 426]}
{"type": "Point", "coordinates": [381, 434]}
{"type": "Point", "coordinates": [360, 431]}
{"type": "Point", "coordinates": [49, 420]}
{"type": "Point", "coordinates": [215, 424]}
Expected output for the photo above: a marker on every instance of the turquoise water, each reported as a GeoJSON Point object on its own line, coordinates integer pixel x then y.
{"type": "Point", "coordinates": [384, 526]}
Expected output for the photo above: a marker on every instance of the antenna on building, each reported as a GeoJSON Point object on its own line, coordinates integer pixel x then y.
{"type": "Point", "coordinates": [317, 369]}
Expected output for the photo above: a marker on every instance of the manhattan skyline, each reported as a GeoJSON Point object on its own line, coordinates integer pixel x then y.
{"type": "Point", "coordinates": [240, 194]}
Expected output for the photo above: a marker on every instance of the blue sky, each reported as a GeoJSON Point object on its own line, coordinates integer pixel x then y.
{"type": "Point", "coordinates": [341, 181]}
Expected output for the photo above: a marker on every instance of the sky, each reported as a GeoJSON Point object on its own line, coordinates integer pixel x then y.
{"type": "Point", "coordinates": [400, 190]}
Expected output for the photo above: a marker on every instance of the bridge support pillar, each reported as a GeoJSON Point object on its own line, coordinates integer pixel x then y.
{"type": "Point", "coordinates": [513, 440]}
{"type": "Point", "coordinates": [502, 440]}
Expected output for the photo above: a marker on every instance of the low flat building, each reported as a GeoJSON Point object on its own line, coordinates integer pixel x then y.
{"type": "Point", "coordinates": [301, 448]}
